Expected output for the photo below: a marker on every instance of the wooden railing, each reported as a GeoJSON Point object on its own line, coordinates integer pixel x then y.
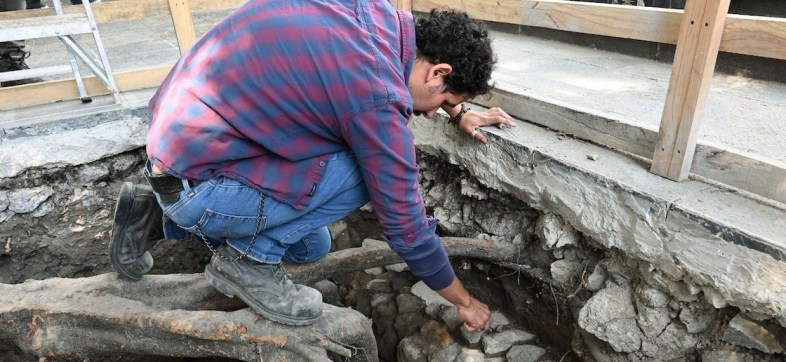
{"type": "Point", "coordinates": [700, 31]}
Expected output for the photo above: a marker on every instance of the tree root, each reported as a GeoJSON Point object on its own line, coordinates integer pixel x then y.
{"type": "Point", "coordinates": [181, 315]}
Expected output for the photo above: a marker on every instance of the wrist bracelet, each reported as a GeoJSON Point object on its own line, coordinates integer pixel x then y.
{"type": "Point", "coordinates": [455, 120]}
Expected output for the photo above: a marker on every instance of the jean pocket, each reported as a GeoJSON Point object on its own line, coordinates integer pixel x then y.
{"type": "Point", "coordinates": [214, 224]}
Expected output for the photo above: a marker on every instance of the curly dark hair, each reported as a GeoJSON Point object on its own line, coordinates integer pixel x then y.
{"type": "Point", "coordinates": [452, 37]}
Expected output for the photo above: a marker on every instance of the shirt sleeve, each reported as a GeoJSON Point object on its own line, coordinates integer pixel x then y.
{"type": "Point", "coordinates": [385, 149]}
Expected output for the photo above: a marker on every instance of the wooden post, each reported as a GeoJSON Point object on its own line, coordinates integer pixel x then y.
{"type": "Point", "coordinates": [694, 64]}
{"type": "Point", "coordinates": [184, 24]}
{"type": "Point", "coordinates": [405, 5]}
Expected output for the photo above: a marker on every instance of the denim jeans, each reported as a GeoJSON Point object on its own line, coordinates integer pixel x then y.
{"type": "Point", "coordinates": [225, 210]}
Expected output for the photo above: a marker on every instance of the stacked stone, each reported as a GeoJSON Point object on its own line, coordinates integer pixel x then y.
{"type": "Point", "coordinates": [414, 323]}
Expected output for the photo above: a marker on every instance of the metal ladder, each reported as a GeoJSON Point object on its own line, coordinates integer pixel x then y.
{"type": "Point", "coordinates": [62, 26]}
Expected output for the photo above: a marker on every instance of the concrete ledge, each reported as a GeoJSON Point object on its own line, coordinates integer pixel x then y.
{"type": "Point", "coordinates": [71, 133]}
{"type": "Point", "coordinates": [717, 241]}
{"type": "Point", "coordinates": [617, 101]}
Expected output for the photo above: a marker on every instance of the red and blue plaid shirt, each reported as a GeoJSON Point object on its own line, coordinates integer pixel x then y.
{"type": "Point", "coordinates": [275, 88]}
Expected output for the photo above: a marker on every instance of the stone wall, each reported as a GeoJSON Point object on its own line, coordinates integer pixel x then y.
{"type": "Point", "coordinates": [597, 273]}
{"type": "Point", "coordinates": [568, 287]}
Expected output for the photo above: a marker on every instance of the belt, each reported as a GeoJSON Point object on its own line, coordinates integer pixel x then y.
{"type": "Point", "coordinates": [168, 187]}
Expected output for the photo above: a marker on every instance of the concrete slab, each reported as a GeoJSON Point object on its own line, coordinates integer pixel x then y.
{"type": "Point", "coordinates": [741, 113]}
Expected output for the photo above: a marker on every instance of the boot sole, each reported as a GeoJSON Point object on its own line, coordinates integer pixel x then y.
{"type": "Point", "coordinates": [230, 289]}
{"type": "Point", "coordinates": [126, 196]}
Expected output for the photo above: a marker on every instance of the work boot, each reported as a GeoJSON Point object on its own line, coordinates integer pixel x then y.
{"type": "Point", "coordinates": [266, 288]}
{"type": "Point", "coordinates": [15, 60]}
{"type": "Point", "coordinates": [137, 227]}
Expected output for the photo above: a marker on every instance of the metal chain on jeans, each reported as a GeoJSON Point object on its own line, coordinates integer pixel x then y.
{"type": "Point", "coordinates": [253, 239]}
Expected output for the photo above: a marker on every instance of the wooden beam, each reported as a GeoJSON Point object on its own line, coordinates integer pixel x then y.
{"type": "Point", "coordinates": [694, 64]}
{"type": "Point", "coordinates": [755, 35]}
{"type": "Point", "coordinates": [630, 22]}
{"type": "Point", "coordinates": [48, 92]}
{"type": "Point", "coordinates": [405, 5]}
{"type": "Point", "coordinates": [111, 11]}
{"type": "Point", "coordinates": [183, 23]}
{"type": "Point", "coordinates": [751, 35]}
{"type": "Point", "coordinates": [501, 11]}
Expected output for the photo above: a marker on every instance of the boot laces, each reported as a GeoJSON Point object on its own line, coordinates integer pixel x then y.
{"type": "Point", "coordinates": [282, 277]}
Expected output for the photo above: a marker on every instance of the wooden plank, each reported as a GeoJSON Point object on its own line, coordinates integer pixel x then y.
{"type": "Point", "coordinates": [745, 171]}
{"type": "Point", "coordinates": [755, 35]}
{"type": "Point", "coordinates": [405, 5]}
{"type": "Point", "coordinates": [502, 11]}
{"type": "Point", "coordinates": [751, 35]}
{"type": "Point", "coordinates": [183, 23]}
{"type": "Point", "coordinates": [694, 64]}
{"type": "Point", "coordinates": [110, 11]}
{"type": "Point", "coordinates": [65, 89]}
{"type": "Point", "coordinates": [630, 22]}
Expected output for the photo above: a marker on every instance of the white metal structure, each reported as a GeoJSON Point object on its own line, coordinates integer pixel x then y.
{"type": "Point", "coordinates": [62, 26]}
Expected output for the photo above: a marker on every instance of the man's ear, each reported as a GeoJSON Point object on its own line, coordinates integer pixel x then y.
{"type": "Point", "coordinates": [439, 71]}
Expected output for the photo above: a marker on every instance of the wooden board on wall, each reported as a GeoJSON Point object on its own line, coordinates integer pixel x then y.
{"type": "Point", "coordinates": [502, 11]}
{"type": "Point", "coordinates": [111, 11]}
{"type": "Point", "coordinates": [48, 92]}
{"type": "Point", "coordinates": [750, 35]}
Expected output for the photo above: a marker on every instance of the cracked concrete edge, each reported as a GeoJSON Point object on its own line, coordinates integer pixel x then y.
{"type": "Point", "coordinates": [728, 246]}
{"type": "Point", "coordinates": [73, 141]}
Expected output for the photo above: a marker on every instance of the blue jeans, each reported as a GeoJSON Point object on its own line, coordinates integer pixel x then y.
{"type": "Point", "coordinates": [225, 210]}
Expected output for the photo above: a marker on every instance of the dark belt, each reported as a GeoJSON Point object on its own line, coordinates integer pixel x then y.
{"type": "Point", "coordinates": [168, 187]}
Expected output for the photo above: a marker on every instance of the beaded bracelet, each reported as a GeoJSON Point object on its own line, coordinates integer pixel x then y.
{"type": "Point", "coordinates": [455, 120]}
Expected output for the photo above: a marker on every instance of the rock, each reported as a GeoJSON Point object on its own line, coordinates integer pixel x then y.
{"type": "Point", "coordinates": [697, 317]}
{"type": "Point", "coordinates": [596, 279]}
{"type": "Point", "coordinates": [470, 355]}
{"type": "Point", "coordinates": [447, 354]}
{"type": "Point", "coordinates": [652, 321]}
{"type": "Point", "coordinates": [729, 356]}
{"type": "Point", "coordinates": [501, 342]}
{"type": "Point", "coordinates": [375, 271]}
{"type": "Point", "coordinates": [329, 291]}
{"type": "Point", "coordinates": [410, 349]}
{"type": "Point", "coordinates": [472, 338]}
{"type": "Point", "coordinates": [562, 270]}
{"type": "Point", "coordinates": [436, 334]}
{"type": "Point", "coordinates": [451, 318]}
{"type": "Point", "coordinates": [379, 286]}
{"type": "Point", "coordinates": [674, 341]}
{"type": "Point", "coordinates": [410, 315]}
{"type": "Point", "coordinates": [4, 200]}
{"type": "Point", "coordinates": [611, 316]}
{"type": "Point", "coordinates": [22, 201]}
{"type": "Point", "coordinates": [525, 353]}
{"type": "Point", "coordinates": [398, 268]}
{"type": "Point", "coordinates": [554, 232]}
{"type": "Point", "coordinates": [432, 300]}
{"type": "Point", "coordinates": [763, 336]}
{"type": "Point", "coordinates": [651, 297]}
{"type": "Point", "coordinates": [382, 298]}
{"type": "Point", "coordinates": [500, 321]}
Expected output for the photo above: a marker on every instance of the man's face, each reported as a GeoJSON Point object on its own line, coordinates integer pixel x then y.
{"type": "Point", "coordinates": [428, 98]}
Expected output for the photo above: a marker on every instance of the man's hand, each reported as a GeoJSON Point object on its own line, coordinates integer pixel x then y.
{"type": "Point", "coordinates": [472, 120]}
{"type": "Point", "coordinates": [476, 316]}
